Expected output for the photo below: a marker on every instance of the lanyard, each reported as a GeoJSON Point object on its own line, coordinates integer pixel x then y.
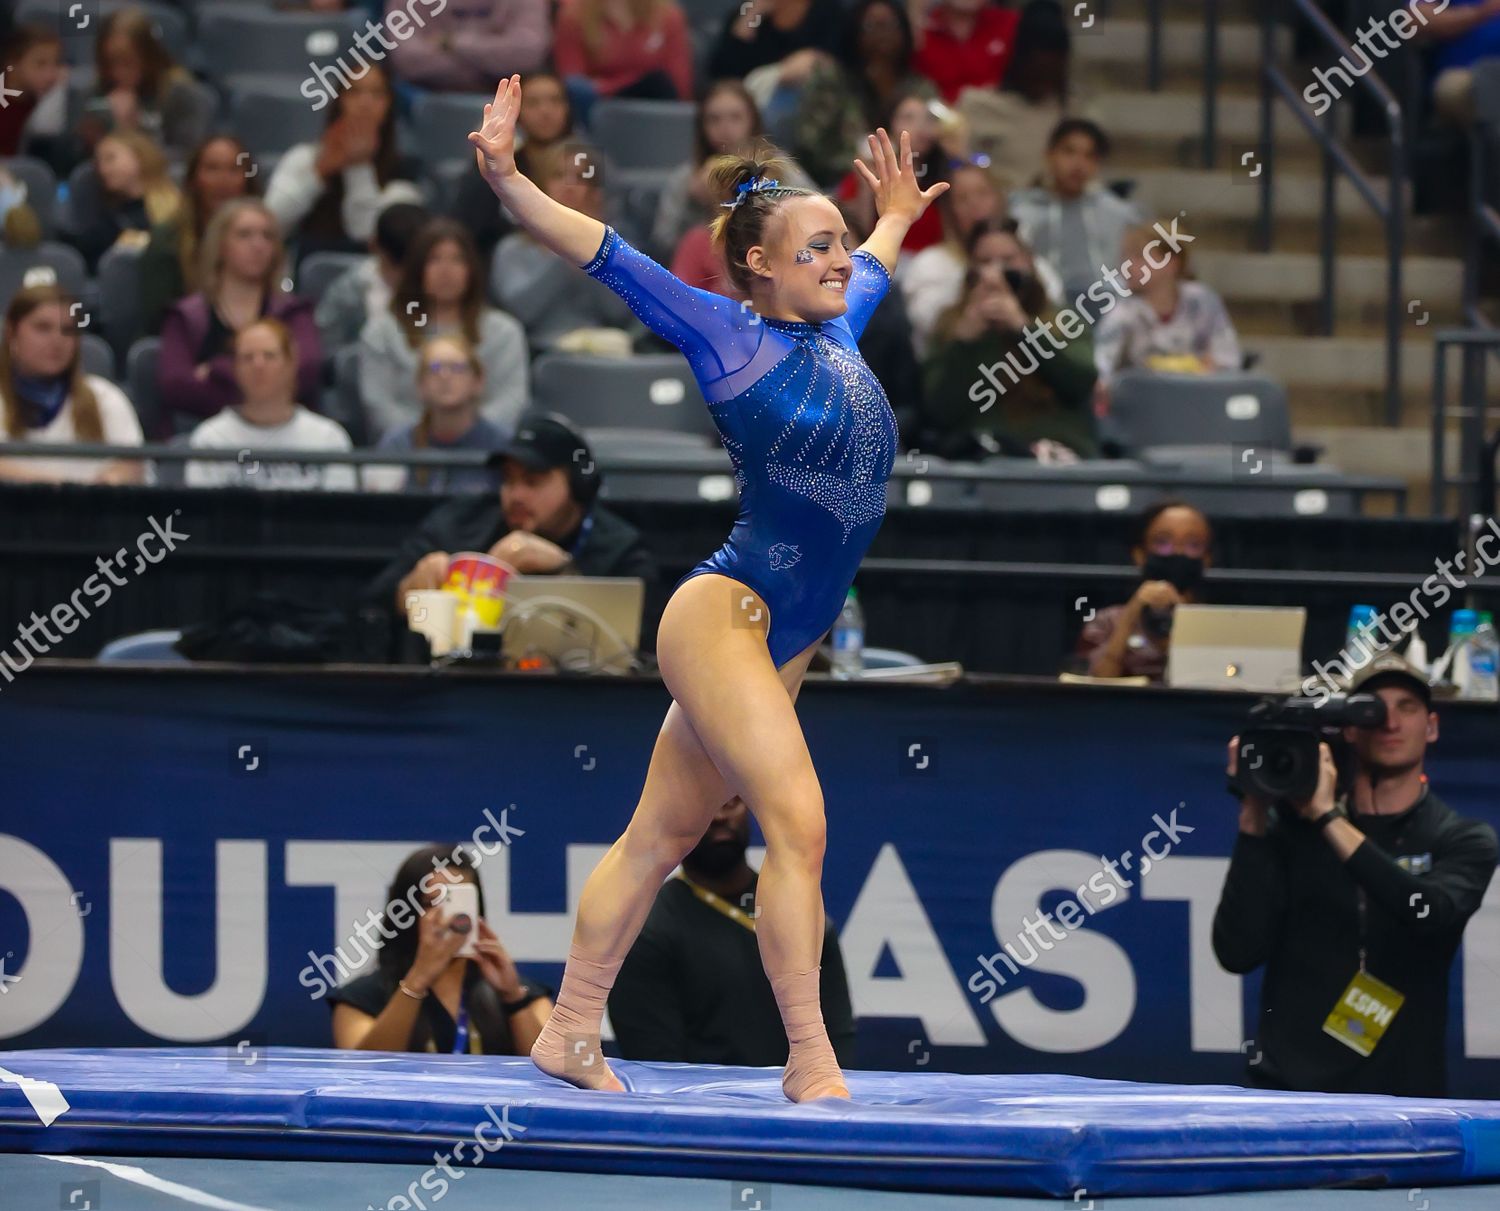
{"type": "Point", "coordinates": [736, 914]}
{"type": "Point", "coordinates": [461, 1029]}
{"type": "Point", "coordinates": [583, 533]}
{"type": "Point", "coordinates": [1363, 900]}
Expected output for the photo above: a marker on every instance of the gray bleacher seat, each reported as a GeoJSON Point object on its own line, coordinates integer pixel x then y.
{"type": "Point", "coordinates": [85, 200]}
{"type": "Point", "coordinates": [48, 263]}
{"type": "Point", "coordinates": [344, 403]}
{"type": "Point", "coordinates": [171, 472]}
{"type": "Point", "coordinates": [169, 24]}
{"type": "Point", "coordinates": [268, 117]}
{"type": "Point", "coordinates": [320, 270]}
{"type": "Point", "coordinates": [96, 355]}
{"type": "Point", "coordinates": [653, 391]}
{"type": "Point", "coordinates": [140, 380]}
{"type": "Point", "coordinates": [236, 40]}
{"type": "Point", "coordinates": [441, 122]}
{"type": "Point", "coordinates": [1232, 410]}
{"type": "Point", "coordinates": [605, 443]}
{"type": "Point", "coordinates": [41, 188]}
{"type": "Point", "coordinates": [641, 137]}
{"type": "Point", "coordinates": [119, 280]}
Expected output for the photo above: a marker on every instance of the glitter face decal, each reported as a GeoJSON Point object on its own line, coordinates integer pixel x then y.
{"type": "Point", "coordinates": [803, 256]}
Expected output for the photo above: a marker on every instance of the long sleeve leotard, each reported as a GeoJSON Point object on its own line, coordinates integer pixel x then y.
{"type": "Point", "coordinates": [807, 426]}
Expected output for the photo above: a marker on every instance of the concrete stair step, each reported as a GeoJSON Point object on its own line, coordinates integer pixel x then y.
{"type": "Point", "coordinates": [1256, 319]}
{"type": "Point", "coordinates": [1230, 191]}
{"type": "Point", "coordinates": [1289, 277]}
{"type": "Point", "coordinates": [1339, 363]}
{"type": "Point", "coordinates": [1123, 40]}
{"type": "Point", "coordinates": [1424, 237]}
{"type": "Point", "coordinates": [1229, 10]}
{"type": "Point", "coordinates": [1168, 116]}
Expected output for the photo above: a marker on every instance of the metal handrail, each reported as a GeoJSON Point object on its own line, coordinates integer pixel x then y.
{"type": "Point", "coordinates": [1154, 22]}
{"type": "Point", "coordinates": [1337, 159]}
{"type": "Point", "coordinates": [1484, 221]}
{"type": "Point", "coordinates": [1475, 478]}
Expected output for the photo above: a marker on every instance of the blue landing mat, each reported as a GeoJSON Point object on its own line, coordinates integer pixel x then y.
{"type": "Point", "coordinates": [933, 1131]}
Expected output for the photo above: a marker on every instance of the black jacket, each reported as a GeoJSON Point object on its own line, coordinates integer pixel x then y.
{"type": "Point", "coordinates": [1289, 903]}
{"type": "Point", "coordinates": [612, 547]}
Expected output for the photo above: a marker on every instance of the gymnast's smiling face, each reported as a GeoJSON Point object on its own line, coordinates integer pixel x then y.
{"type": "Point", "coordinates": [804, 264]}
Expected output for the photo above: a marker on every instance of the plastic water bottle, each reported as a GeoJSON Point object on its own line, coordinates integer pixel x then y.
{"type": "Point", "coordinates": [849, 638]}
{"type": "Point", "coordinates": [1362, 635]}
{"type": "Point", "coordinates": [1460, 639]}
{"type": "Point", "coordinates": [1484, 656]}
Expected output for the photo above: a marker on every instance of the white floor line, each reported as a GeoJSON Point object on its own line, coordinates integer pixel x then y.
{"type": "Point", "coordinates": [133, 1173]}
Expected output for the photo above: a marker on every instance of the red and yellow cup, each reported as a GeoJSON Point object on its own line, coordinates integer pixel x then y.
{"type": "Point", "coordinates": [479, 582]}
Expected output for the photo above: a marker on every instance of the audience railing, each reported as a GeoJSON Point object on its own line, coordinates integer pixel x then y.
{"type": "Point", "coordinates": [1473, 477]}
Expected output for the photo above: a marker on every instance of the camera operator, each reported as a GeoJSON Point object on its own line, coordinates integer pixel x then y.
{"type": "Point", "coordinates": [1356, 902]}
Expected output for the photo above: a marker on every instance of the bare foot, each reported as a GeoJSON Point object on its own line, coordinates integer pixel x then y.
{"type": "Point", "coordinates": [576, 1059]}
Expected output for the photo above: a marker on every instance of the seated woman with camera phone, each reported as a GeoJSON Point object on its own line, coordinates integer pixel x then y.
{"type": "Point", "coordinates": [443, 981]}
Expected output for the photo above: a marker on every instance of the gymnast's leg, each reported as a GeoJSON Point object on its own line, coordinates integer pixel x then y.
{"type": "Point", "coordinates": [742, 711]}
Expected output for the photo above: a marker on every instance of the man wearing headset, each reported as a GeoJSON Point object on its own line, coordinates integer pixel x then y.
{"type": "Point", "coordinates": [545, 520]}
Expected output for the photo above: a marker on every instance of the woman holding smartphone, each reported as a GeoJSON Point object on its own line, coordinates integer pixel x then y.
{"type": "Point", "coordinates": [424, 995]}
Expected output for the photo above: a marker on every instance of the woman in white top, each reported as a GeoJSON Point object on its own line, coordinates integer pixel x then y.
{"type": "Point", "coordinates": [440, 292]}
{"type": "Point", "coordinates": [268, 417]}
{"type": "Point", "coordinates": [327, 195]}
{"type": "Point", "coordinates": [46, 396]}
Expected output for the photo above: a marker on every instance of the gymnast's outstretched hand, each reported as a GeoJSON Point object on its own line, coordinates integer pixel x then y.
{"type": "Point", "coordinates": [894, 182]}
{"type": "Point", "coordinates": [495, 140]}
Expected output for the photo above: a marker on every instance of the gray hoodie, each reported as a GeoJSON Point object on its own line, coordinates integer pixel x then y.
{"type": "Point", "coordinates": [1080, 236]}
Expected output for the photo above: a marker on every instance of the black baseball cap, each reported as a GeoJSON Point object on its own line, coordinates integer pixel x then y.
{"type": "Point", "coordinates": [543, 441]}
{"type": "Point", "coordinates": [1388, 667]}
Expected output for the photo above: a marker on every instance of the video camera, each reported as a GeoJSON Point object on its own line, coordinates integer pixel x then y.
{"type": "Point", "coordinates": [1278, 754]}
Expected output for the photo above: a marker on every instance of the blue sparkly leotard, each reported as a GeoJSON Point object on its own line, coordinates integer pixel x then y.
{"type": "Point", "coordinates": [806, 424]}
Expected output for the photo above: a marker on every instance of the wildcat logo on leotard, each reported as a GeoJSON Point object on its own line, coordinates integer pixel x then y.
{"type": "Point", "coordinates": [783, 555]}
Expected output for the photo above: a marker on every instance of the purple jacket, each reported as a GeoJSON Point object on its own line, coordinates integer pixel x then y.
{"type": "Point", "coordinates": [182, 334]}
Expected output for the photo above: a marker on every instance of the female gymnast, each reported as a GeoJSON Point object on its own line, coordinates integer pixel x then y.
{"type": "Point", "coordinates": [812, 440]}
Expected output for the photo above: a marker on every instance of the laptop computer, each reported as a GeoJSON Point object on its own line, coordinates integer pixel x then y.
{"type": "Point", "coordinates": [581, 623]}
{"type": "Point", "coordinates": [1255, 648]}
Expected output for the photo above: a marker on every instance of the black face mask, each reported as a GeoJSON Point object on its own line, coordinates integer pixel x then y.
{"type": "Point", "coordinates": [1183, 572]}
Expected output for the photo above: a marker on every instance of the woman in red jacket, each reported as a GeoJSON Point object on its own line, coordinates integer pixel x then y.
{"type": "Point", "coordinates": [623, 48]}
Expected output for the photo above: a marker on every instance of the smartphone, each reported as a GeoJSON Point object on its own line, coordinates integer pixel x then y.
{"type": "Point", "coordinates": [461, 900]}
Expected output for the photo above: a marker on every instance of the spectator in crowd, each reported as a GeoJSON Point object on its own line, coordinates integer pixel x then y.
{"type": "Point", "coordinates": [240, 274]}
{"type": "Point", "coordinates": [728, 120]}
{"type": "Point", "coordinates": [1463, 31]}
{"type": "Point", "coordinates": [138, 87]}
{"type": "Point", "coordinates": [545, 519]}
{"type": "Point", "coordinates": [450, 384]}
{"type": "Point", "coordinates": [422, 996]}
{"type": "Point", "coordinates": [1169, 322]}
{"type": "Point", "coordinates": [218, 171]}
{"type": "Point", "coordinates": [557, 302]}
{"type": "Point", "coordinates": [1174, 544]}
{"type": "Point", "coordinates": [441, 290]}
{"type": "Point", "coordinates": [1072, 220]}
{"type": "Point", "coordinates": [964, 44]}
{"type": "Point", "coordinates": [365, 289]}
{"type": "Point", "coordinates": [774, 46]}
{"type": "Point", "coordinates": [693, 990]}
{"type": "Point", "coordinates": [136, 194]}
{"type": "Point", "coordinates": [20, 226]}
{"type": "Point", "coordinates": [847, 98]}
{"type": "Point", "coordinates": [48, 398]}
{"type": "Point", "coordinates": [1365, 888]}
{"type": "Point", "coordinates": [1035, 398]}
{"type": "Point", "coordinates": [467, 44]}
{"type": "Point", "coordinates": [34, 122]}
{"type": "Point", "coordinates": [1011, 124]}
{"type": "Point", "coordinates": [886, 344]}
{"type": "Point", "coordinates": [327, 194]}
{"type": "Point", "coordinates": [545, 121]}
{"type": "Point", "coordinates": [935, 146]}
{"type": "Point", "coordinates": [268, 417]}
{"type": "Point", "coordinates": [623, 48]}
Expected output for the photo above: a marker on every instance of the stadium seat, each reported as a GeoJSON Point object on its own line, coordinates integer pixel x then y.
{"type": "Point", "coordinates": [654, 391]}
{"type": "Point", "coordinates": [1152, 410]}
{"type": "Point", "coordinates": [41, 188]}
{"type": "Point", "coordinates": [441, 123]}
{"type": "Point", "coordinates": [96, 355]}
{"type": "Point", "coordinates": [84, 201]}
{"type": "Point", "coordinates": [236, 40]}
{"type": "Point", "coordinates": [344, 403]}
{"type": "Point", "coordinates": [320, 270]}
{"type": "Point", "coordinates": [170, 472]}
{"type": "Point", "coordinates": [269, 117]}
{"type": "Point", "coordinates": [154, 646]}
{"type": "Point", "coordinates": [140, 380]}
{"type": "Point", "coordinates": [47, 264]}
{"type": "Point", "coordinates": [169, 24]}
{"type": "Point", "coordinates": [120, 297]}
{"type": "Point", "coordinates": [642, 136]}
